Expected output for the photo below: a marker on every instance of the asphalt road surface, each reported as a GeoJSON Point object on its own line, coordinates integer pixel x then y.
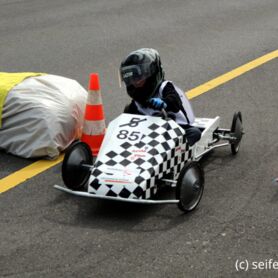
{"type": "Point", "coordinates": [46, 233]}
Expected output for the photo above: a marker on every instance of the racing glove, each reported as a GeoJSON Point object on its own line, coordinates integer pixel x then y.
{"type": "Point", "coordinates": [157, 103]}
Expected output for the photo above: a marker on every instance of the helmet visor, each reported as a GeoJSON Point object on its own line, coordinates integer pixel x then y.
{"type": "Point", "coordinates": [135, 74]}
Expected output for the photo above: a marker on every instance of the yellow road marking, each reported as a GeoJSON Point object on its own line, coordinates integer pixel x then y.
{"type": "Point", "coordinates": [27, 172]}
{"type": "Point", "coordinates": [40, 166]}
{"type": "Point", "coordinates": [231, 75]}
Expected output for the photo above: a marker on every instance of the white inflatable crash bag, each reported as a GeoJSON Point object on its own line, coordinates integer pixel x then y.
{"type": "Point", "coordinates": [41, 116]}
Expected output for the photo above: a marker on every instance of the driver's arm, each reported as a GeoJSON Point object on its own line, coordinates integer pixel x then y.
{"type": "Point", "coordinates": [171, 97]}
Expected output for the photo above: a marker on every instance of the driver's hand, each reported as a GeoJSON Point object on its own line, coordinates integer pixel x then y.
{"type": "Point", "coordinates": [157, 103]}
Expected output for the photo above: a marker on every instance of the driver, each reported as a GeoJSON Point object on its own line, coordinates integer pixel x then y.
{"type": "Point", "coordinates": [143, 75]}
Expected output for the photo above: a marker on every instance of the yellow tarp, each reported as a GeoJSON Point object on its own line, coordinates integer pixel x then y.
{"type": "Point", "coordinates": [8, 81]}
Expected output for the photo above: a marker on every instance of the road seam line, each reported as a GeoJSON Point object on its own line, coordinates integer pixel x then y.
{"type": "Point", "coordinates": [27, 172]}
{"type": "Point", "coordinates": [201, 89]}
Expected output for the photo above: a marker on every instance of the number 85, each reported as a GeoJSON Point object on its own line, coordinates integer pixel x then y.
{"type": "Point", "coordinates": [125, 134]}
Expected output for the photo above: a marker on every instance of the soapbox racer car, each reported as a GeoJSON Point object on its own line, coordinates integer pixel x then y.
{"type": "Point", "coordinates": [140, 154]}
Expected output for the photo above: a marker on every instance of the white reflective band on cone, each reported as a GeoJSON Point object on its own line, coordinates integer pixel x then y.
{"type": "Point", "coordinates": [94, 98]}
{"type": "Point", "coordinates": [94, 127]}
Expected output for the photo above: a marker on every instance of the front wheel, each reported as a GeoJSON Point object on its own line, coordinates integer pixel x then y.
{"type": "Point", "coordinates": [74, 174]}
{"type": "Point", "coordinates": [190, 187]}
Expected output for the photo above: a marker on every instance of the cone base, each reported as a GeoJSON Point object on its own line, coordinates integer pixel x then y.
{"type": "Point", "coordinates": [94, 142]}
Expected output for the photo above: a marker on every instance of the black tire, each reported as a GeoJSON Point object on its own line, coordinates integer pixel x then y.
{"type": "Point", "coordinates": [190, 186]}
{"type": "Point", "coordinates": [236, 131]}
{"type": "Point", "coordinates": [74, 175]}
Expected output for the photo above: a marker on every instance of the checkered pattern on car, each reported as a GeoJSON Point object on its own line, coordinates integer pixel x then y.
{"type": "Point", "coordinates": [166, 152]}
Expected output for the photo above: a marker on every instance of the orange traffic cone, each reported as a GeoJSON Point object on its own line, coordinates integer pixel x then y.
{"type": "Point", "coordinates": [94, 122]}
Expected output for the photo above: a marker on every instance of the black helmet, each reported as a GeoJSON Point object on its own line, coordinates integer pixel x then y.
{"type": "Point", "coordinates": [142, 73]}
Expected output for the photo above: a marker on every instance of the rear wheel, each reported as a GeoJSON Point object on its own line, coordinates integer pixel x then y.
{"type": "Point", "coordinates": [75, 170]}
{"type": "Point", "coordinates": [190, 187]}
{"type": "Point", "coordinates": [236, 132]}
